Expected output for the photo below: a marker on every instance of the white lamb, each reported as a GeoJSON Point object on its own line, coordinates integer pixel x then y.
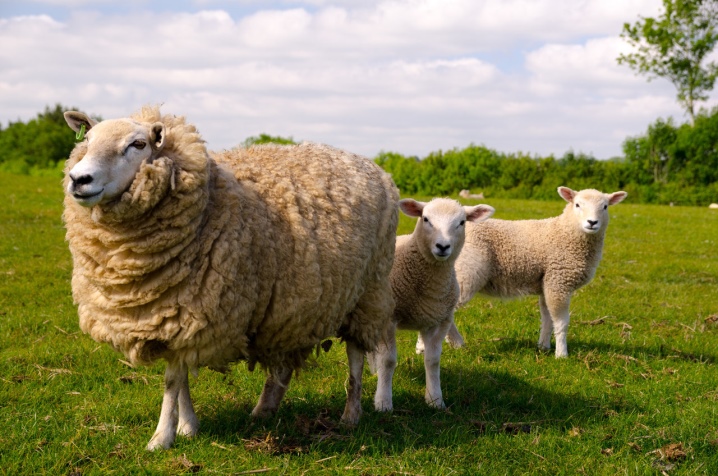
{"type": "Point", "coordinates": [551, 257]}
{"type": "Point", "coordinates": [425, 289]}
{"type": "Point", "coordinates": [253, 254]}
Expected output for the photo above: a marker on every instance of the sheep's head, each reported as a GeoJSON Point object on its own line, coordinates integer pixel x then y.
{"type": "Point", "coordinates": [440, 230]}
{"type": "Point", "coordinates": [590, 207]}
{"type": "Point", "coordinates": [115, 150]}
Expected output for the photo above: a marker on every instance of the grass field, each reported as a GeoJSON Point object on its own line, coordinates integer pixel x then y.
{"type": "Point", "coordinates": [637, 395]}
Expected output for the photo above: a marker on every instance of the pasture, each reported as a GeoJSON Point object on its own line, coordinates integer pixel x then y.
{"type": "Point", "coordinates": [638, 393]}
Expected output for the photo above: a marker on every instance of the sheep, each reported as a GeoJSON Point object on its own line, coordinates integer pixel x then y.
{"type": "Point", "coordinates": [552, 257]}
{"type": "Point", "coordinates": [425, 290]}
{"type": "Point", "coordinates": [202, 260]}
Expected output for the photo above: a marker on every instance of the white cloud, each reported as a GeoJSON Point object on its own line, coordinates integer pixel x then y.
{"type": "Point", "coordinates": [411, 76]}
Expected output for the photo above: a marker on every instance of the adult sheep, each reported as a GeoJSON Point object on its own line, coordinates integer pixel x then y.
{"type": "Point", "coordinates": [552, 257]}
{"type": "Point", "coordinates": [252, 254]}
{"type": "Point", "coordinates": [425, 289]}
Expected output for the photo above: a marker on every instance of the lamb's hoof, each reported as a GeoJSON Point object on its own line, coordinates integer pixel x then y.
{"type": "Point", "coordinates": [188, 428]}
{"type": "Point", "coordinates": [384, 406]}
{"type": "Point", "coordinates": [455, 343]}
{"type": "Point", "coordinates": [437, 404]}
{"type": "Point", "coordinates": [561, 355]}
{"type": "Point", "coordinates": [544, 348]}
{"type": "Point", "coordinates": [161, 441]}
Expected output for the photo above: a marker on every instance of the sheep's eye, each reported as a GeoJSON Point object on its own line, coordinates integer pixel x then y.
{"type": "Point", "coordinates": [605, 207]}
{"type": "Point", "coordinates": [578, 206]}
{"type": "Point", "coordinates": [426, 220]}
{"type": "Point", "coordinates": [138, 144]}
{"type": "Point", "coordinates": [461, 223]}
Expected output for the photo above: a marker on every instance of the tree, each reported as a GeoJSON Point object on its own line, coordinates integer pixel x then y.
{"type": "Point", "coordinates": [267, 139]}
{"type": "Point", "coordinates": [674, 47]}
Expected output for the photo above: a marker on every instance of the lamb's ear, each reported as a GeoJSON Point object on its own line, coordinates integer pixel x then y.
{"type": "Point", "coordinates": [157, 136]}
{"type": "Point", "coordinates": [616, 197]}
{"type": "Point", "coordinates": [479, 213]}
{"type": "Point", "coordinates": [566, 193]}
{"type": "Point", "coordinates": [411, 207]}
{"type": "Point", "coordinates": [75, 119]}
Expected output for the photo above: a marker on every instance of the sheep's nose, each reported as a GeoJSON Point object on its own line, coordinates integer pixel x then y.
{"type": "Point", "coordinates": [442, 248]}
{"type": "Point", "coordinates": [81, 180]}
{"type": "Point", "coordinates": [592, 223]}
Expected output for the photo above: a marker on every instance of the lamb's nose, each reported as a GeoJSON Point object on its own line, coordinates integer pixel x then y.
{"type": "Point", "coordinates": [592, 223]}
{"type": "Point", "coordinates": [442, 248]}
{"type": "Point", "coordinates": [81, 180]}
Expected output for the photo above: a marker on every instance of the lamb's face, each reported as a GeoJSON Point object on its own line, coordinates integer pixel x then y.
{"type": "Point", "coordinates": [115, 151]}
{"type": "Point", "coordinates": [440, 230]}
{"type": "Point", "coordinates": [590, 207]}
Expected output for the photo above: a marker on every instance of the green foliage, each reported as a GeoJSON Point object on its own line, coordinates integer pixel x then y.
{"type": "Point", "coordinates": [39, 146]}
{"type": "Point", "coordinates": [674, 47]}
{"type": "Point", "coordinates": [267, 139]}
{"type": "Point", "coordinates": [640, 378]}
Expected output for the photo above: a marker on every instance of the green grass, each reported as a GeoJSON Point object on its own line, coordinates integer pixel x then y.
{"type": "Point", "coordinates": [641, 374]}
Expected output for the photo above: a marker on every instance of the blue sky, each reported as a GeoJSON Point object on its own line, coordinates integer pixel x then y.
{"type": "Point", "coordinates": [411, 76]}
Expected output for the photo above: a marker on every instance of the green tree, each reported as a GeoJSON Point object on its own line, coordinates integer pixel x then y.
{"type": "Point", "coordinates": [674, 46]}
{"type": "Point", "coordinates": [267, 139]}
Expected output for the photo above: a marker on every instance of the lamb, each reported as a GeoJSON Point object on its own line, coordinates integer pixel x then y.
{"type": "Point", "coordinates": [425, 289]}
{"type": "Point", "coordinates": [551, 257]}
{"type": "Point", "coordinates": [252, 254]}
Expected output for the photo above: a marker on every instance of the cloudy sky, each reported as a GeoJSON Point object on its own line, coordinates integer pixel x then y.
{"type": "Point", "coordinates": [410, 76]}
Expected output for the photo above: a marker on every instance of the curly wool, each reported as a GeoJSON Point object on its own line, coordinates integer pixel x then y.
{"type": "Point", "coordinates": [254, 254]}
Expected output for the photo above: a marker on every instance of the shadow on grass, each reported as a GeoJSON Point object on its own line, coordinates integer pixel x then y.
{"type": "Point", "coordinates": [482, 404]}
{"type": "Point", "coordinates": [659, 351]}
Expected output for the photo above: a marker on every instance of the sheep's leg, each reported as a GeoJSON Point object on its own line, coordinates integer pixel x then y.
{"type": "Point", "coordinates": [176, 382]}
{"type": "Point", "coordinates": [384, 358]}
{"type": "Point", "coordinates": [352, 410]}
{"type": "Point", "coordinates": [544, 342]}
{"type": "Point", "coordinates": [433, 339]}
{"type": "Point", "coordinates": [188, 423]}
{"type": "Point", "coordinates": [275, 386]}
{"type": "Point", "coordinates": [557, 305]}
{"type": "Point", "coordinates": [419, 345]}
{"type": "Point", "coordinates": [453, 336]}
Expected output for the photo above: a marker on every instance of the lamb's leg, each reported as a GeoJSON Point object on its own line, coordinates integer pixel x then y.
{"type": "Point", "coordinates": [275, 386]}
{"type": "Point", "coordinates": [188, 423]}
{"type": "Point", "coordinates": [419, 345]}
{"type": "Point", "coordinates": [176, 382]}
{"type": "Point", "coordinates": [453, 336]}
{"type": "Point", "coordinates": [433, 339]}
{"type": "Point", "coordinates": [544, 342]}
{"type": "Point", "coordinates": [352, 410]}
{"type": "Point", "coordinates": [385, 361]}
{"type": "Point", "coordinates": [558, 304]}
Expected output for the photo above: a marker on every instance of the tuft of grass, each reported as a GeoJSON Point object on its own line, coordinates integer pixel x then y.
{"type": "Point", "coordinates": [637, 395]}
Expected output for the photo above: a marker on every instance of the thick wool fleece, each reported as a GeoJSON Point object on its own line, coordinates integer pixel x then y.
{"type": "Point", "coordinates": [425, 290]}
{"type": "Point", "coordinates": [253, 254]}
{"type": "Point", "coordinates": [521, 257]}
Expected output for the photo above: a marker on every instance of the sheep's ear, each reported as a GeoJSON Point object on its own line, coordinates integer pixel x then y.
{"type": "Point", "coordinates": [411, 207]}
{"type": "Point", "coordinates": [567, 194]}
{"type": "Point", "coordinates": [616, 197]}
{"type": "Point", "coordinates": [75, 119]}
{"type": "Point", "coordinates": [479, 213]}
{"type": "Point", "coordinates": [157, 136]}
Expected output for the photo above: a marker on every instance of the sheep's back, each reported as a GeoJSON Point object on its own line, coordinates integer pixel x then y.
{"type": "Point", "coordinates": [334, 217]}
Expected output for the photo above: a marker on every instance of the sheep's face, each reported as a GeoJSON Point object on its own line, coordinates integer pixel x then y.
{"type": "Point", "coordinates": [115, 151]}
{"type": "Point", "coordinates": [440, 230]}
{"type": "Point", "coordinates": [590, 207]}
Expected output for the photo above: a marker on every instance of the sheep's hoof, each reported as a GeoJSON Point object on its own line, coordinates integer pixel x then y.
{"type": "Point", "coordinates": [350, 418]}
{"type": "Point", "coordinates": [262, 412]}
{"type": "Point", "coordinates": [160, 441]}
{"type": "Point", "coordinates": [561, 355]}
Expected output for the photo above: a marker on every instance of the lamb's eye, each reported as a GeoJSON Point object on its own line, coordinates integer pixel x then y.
{"type": "Point", "coordinates": [605, 207]}
{"type": "Point", "coordinates": [138, 144]}
{"type": "Point", "coordinates": [578, 206]}
{"type": "Point", "coordinates": [461, 223]}
{"type": "Point", "coordinates": [426, 220]}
